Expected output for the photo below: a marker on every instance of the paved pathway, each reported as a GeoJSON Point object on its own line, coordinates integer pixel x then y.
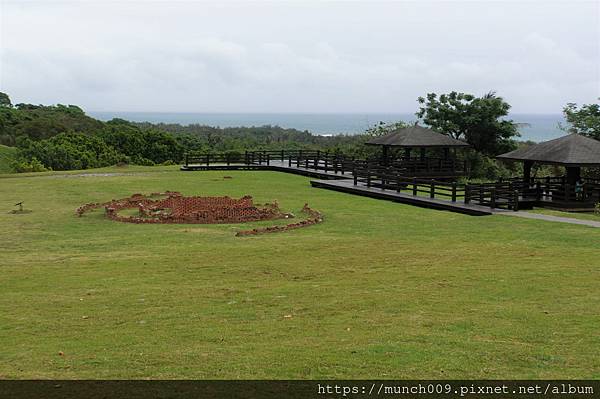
{"type": "Point", "coordinates": [550, 218]}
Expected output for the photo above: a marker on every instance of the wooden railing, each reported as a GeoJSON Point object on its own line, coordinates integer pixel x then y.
{"type": "Point", "coordinates": [428, 165]}
{"type": "Point", "coordinates": [332, 162]}
{"type": "Point", "coordinates": [495, 195]}
{"type": "Point", "coordinates": [213, 158]}
{"type": "Point", "coordinates": [550, 189]}
{"type": "Point", "coordinates": [391, 179]}
{"type": "Point", "coordinates": [491, 195]}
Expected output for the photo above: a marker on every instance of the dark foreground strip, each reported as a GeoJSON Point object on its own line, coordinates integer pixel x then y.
{"type": "Point", "coordinates": [49, 389]}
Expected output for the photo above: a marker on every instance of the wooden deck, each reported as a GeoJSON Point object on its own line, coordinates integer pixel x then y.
{"type": "Point", "coordinates": [274, 165]}
{"type": "Point", "coordinates": [347, 186]}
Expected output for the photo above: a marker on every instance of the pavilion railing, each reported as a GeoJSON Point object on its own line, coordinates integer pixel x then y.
{"type": "Point", "coordinates": [558, 189]}
{"type": "Point", "coordinates": [547, 189]}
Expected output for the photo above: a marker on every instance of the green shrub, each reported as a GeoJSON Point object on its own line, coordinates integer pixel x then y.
{"type": "Point", "coordinates": [25, 166]}
{"type": "Point", "coordinates": [69, 151]}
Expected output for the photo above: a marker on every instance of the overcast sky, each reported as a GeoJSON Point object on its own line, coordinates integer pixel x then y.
{"type": "Point", "coordinates": [194, 56]}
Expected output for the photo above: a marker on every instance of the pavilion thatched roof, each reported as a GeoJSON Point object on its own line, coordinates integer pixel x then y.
{"type": "Point", "coordinates": [416, 136]}
{"type": "Point", "coordinates": [571, 150]}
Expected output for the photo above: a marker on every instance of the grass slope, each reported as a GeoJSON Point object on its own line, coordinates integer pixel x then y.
{"type": "Point", "coordinates": [7, 156]}
{"type": "Point", "coordinates": [379, 290]}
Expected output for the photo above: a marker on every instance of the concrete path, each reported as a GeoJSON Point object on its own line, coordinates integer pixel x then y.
{"type": "Point", "coordinates": [550, 218]}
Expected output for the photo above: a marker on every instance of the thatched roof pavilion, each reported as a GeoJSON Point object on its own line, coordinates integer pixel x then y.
{"type": "Point", "coordinates": [573, 152]}
{"type": "Point", "coordinates": [416, 137]}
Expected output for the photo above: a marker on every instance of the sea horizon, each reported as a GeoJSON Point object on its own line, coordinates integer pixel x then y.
{"type": "Point", "coordinates": [540, 127]}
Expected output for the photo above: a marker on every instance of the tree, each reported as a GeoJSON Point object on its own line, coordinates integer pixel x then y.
{"type": "Point", "coordinates": [584, 120]}
{"type": "Point", "coordinates": [5, 100]}
{"type": "Point", "coordinates": [477, 120]}
{"type": "Point", "coordinates": [382, 128]}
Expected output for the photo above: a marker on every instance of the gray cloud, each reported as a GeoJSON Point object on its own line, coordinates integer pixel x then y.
{"type": "Point", "coordinates": [299, 56]}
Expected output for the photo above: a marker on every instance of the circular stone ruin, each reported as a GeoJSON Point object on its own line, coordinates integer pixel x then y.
{"type": "Point", "coordinates": [172, 207]}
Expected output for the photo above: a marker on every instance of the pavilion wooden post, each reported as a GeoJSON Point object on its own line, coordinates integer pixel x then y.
{"type": "Point", "coordinates": [384, 155]}
{"type": "Point", "coordinates": [527, 171]}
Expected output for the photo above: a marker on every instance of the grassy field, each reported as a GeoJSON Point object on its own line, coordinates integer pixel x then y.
{"type": "Point", "coordinates": [379, 290]}
{"type": "Point", "coordinates": [7, 156]}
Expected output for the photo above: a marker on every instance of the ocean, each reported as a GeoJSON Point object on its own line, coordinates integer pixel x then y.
{"type": "Point", "coordinates": [540, 127]}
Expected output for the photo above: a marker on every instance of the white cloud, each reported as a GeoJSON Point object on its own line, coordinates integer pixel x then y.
{"type": "Point", "coordinates": [301, 57]}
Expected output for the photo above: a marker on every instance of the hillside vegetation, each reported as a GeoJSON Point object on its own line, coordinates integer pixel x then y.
{"type": "Point", "coordinates": [7, 158]}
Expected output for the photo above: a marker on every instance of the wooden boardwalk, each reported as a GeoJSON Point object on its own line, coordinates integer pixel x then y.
{"type": "Point", "coordinates": [347, 186]}
{"type": "Point", "coordinates": [275, 165]}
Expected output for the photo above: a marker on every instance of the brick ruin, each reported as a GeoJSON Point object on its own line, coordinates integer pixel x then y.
{"type": "Point", "coordinates": [314, 217]}
{"type": "Point", "coordinates": [172, 207]}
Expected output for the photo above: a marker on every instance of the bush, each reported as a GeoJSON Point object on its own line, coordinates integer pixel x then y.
{"type": "Point", "coordinates": [24, 166]}
{"type": "Point", "coordinates": [484, 167]}
{"type": "Point", "coordinates": [138, 160]}
{"type": "Point", "coordinates": [69, 151]}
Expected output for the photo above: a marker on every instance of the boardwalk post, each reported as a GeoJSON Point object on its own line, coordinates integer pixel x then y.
{"type": "Point", "coordinates": [326, 161]}
{"type": "Point", "coordinates": [453, 191]}
{"type": "Point", "coordinates": [282, 156]}
{"type": "Point", "coordinates": [515, 200]}
{"type": "Point", "coordinates": [414, 183]}
{"type": "Point", "coordinates": [186, 159]}
{"type": "Point", "coordinates": [398, 188]}
{"type": "Point", "coordinates": [493, 197]}
{"type": "Point", "coordinates": [355, 177]}
{"type": "Point", "coordinates": [268, 159]}
{"type": "Point", "coordinates": [432, 189]}
{"type": "Point", "coordinates": [246, 157]}
{"type": "Point", "coordinates": [290, 161]}
{"type": "Point", "coordinates": [207, 159]}
{"type": "Point", "coordinates": [538, 191]}
{"type": "Point", "coordinates": [467, 194]}
{"type": "Point", "coordinates": [228, 158]}
{"type": "Point", "coordinates": [368, 177]}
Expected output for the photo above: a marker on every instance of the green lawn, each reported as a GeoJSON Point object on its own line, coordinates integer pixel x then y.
{"type": "Point", "coordinates": [7, 156]}
{"type": "Point", "coordinates": [378, 290]}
